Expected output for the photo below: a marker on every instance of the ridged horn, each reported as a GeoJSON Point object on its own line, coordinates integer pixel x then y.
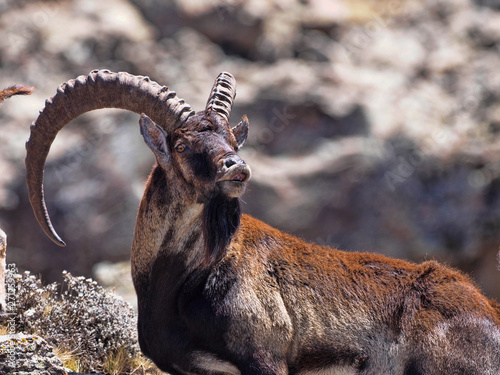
{"type": "Point", "coordinates": [99, 89]}
{"type": "Point", "coordinates": [222, 95]}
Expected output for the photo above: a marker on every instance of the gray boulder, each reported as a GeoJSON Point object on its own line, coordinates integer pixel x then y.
{"type": "Point", "coordinates": [26, 354]}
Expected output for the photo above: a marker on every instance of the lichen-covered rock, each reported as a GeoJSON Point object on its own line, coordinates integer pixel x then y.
{"type": "Point", "coordinates": [27, 354]}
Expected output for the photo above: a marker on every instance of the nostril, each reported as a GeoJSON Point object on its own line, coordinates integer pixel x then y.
{"type": "Point", "coordinates": [229, 162]}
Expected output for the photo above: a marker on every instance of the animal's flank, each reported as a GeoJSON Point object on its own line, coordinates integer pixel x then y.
{"type": "Point", "coordinates": [496, 307]}
{"type": "Point", "coordinates": [221, 219]}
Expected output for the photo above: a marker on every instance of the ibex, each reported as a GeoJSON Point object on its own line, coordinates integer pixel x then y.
{"type": "Point", "coordinates": [223, 293]}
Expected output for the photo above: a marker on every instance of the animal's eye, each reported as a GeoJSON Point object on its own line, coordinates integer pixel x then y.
{"type": "Point", "coordinates": [180, 148]}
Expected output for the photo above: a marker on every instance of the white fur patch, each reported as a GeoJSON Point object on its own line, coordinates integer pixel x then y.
{"type": "Point", "coordinates": [182, 371]}
{"type": "Point", "coordinates": [209, 362]}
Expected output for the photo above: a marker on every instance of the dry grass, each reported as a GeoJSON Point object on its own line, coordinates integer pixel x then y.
{"type": "Point", "coordinates": [117, 363]}
{"type": "Point", "coordinates": [120, 363]}
{"type": "Point", "coordinates": [142, 366]}
{"type": "Point", "coordinates": [68, 358]}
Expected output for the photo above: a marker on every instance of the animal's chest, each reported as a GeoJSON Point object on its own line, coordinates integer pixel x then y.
{"type": "Point", "coordinates": [174, 342]}
{"type": "Point", "coordinates": [177, 319]}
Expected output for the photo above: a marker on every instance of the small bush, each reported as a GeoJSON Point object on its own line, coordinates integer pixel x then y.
{"type": "Point", "coordinates": [93, 327]}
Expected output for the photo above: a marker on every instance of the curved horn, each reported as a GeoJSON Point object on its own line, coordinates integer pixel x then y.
{"type": "Point", "coordinates": [99, 89]}
{"type": "Point", "coordinates": [222, 95]}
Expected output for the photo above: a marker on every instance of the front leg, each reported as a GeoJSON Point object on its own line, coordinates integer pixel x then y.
{"type": "Point", "coordinates": [260, 363]}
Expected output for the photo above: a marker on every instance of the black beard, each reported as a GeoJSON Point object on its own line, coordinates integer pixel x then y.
{"type": "Point", "coordinates": [221, 219]}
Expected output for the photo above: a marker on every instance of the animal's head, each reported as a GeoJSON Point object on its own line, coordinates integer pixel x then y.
{"type": "Point", "coordinates": [199, 150]}
{"type": "Point", "coordinates": [203, 150]}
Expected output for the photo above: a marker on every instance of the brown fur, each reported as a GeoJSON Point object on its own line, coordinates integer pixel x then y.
{"type": "Point", "coordinates": [15, 90]}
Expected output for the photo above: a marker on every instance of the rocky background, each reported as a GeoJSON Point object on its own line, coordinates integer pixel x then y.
{"type": "Point", "coordinates": [375, 125]}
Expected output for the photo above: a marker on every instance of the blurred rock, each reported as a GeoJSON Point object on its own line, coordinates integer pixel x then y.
{"type": "Point", "coordinates": [117, 276]}
{"type": "Point", "coordinates": [374, 124]}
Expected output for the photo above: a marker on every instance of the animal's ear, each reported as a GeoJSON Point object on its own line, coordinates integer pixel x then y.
{"type": "Point", "coordinates": [155, 138]}
{"type": "Point", "coordinates": [240, 131]}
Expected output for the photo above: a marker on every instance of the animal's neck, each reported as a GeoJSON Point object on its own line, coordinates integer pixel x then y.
{"type": "Point", "coordinates": [171, 223]}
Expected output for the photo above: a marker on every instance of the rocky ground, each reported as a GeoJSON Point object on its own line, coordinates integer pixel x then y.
{"type": "Point", "coordinates": [22, 354]}
{"type": "Point", "coordinates": [73, 327]}
{"type": "Point", "coordinates": [374, 124]}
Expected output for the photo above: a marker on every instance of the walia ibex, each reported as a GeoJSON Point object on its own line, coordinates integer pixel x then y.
{"type": "Point", "coordinates": [223, 293]}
